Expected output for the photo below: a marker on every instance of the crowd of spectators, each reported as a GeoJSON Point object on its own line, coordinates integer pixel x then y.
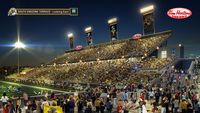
{"type": "Point", "coordinates": [120, 66]}
{"type": "Point", "coordinates": [114, 50]}
{"type": "Point", "coordinates": [109, 63]}
{"type": "Point", "coordinates": [155, 63]}
{"type": "Point", "coordinates": [100, 72]}
{"type": "Point", "coordinates": [173, 93]}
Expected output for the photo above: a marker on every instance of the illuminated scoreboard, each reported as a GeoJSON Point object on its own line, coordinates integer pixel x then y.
{"type": "Point", "coordinates": [43, 11]}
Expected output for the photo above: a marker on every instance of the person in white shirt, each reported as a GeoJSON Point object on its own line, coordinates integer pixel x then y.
{"type": "Point", "coordinates": [44, 103]}
{"type": "Point", "coordinates": [142, 107]}
{"type": "Point", "coordinates": [4, 99]}
{"type": "Point", "coordinates": [176, 105]}
{"type": "Point", "coordinates": [151, 96]}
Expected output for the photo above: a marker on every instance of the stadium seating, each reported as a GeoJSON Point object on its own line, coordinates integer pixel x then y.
{"type": "Point", "coordinates": [115, 50]}
{"type": "Point", "coordinates": [113, 62]}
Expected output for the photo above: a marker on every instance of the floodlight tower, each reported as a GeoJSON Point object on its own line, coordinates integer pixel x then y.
{"type": "Point", "coordinates": [19, 45]}
{"type": "Point", "coordinates": [148, 19]}
{"type": "Point", "coordinates": [113, 28]}
{"type": "Point", "coordinates": [71, 40]}
{"type": "Point", "coordinates": [88, 31]}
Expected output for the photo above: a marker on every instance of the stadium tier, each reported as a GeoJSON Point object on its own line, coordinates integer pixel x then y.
{"type": "Point", "coordinates": [110, 67]}
{"type": "Point", "coordinates": [105, 71]}
{"type": "Point", "coordinates": [155, 63]}
{"type": "Point", "coordinates": [114, 50]}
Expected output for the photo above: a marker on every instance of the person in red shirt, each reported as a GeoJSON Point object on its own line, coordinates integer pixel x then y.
{"type": "Point", "coordinates": [155, 108]}
{"type": "Point", "coordinates": [120, 106]}
{"type": "Point", "coordinates": [5, 108]}
{"type": "Point", "coordinates": [142, 96]}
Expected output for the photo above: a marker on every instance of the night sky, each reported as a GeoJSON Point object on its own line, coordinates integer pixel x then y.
{"type": "Point", "coordinates": [46, 35]}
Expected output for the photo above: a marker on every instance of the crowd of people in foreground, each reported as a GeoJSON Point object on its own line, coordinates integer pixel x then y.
{"type": "Point", "coordinates": [170, 93]}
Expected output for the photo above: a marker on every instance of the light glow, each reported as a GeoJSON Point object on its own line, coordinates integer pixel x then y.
{"type": "Point", "coordinates": [147, 9]}
{"type": "Point", "coordinates": [112, 20]}
{"type": "Point", "coordinates": [70, 35]}
{"type": "Point", "coordinates": [19, 44]}
{"type": "Point", "coordinates": [88, 29]}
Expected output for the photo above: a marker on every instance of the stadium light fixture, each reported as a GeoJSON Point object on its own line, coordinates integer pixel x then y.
{"type": "Point", "coordinates": [19, 45]}
{"type": "Point", "coordinates": [147, 9]}
{"type": "Point", "coordinates": [113, 28]}
{"type": "Point", "coordinates": [71, 40]}
{"type": "Point", "coordinates": [179, 45]}
{"type": "Point", "coordinates": [112, 20]}
{"type": "Point", "coordinates": [88, 29]}
{"type": "Point", "coordinates": [70, 35]}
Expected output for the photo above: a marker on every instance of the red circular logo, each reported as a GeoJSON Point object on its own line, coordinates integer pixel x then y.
{"type": "Point", "coordinates": [179, 13]}
{"type": "Point", "coordinates": [136, 36]}
{"type": "Point", "coordinates": [78, 47]}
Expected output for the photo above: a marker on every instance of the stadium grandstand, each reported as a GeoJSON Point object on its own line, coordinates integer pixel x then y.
{"type": "Point", "coordinates": [119, 61]}
{"type": "Point", "coordinates": [138, 74]}
{"type": "Point", "coordinates": [115, 49]}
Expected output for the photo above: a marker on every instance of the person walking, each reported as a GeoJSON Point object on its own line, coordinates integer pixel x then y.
{"type": "Point", "coordinates": [183, 106]}
{"type": "Point", "coordinates": [5, 109]}
{"type": "Point", "coordinates": [109, 106]}
{"type": "Point", "coordinates": [4, 99]}
{"type": "Point", "coordinates": [11, 107]}
{"type": "Point", "coordinates": [97, 105]}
